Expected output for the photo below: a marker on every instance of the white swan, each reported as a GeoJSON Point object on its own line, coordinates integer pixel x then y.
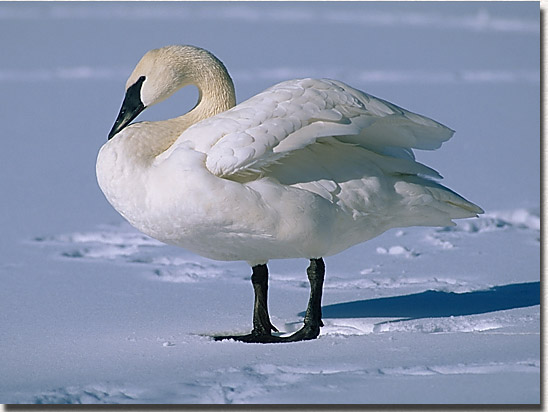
{"type": "Point", "coordinates": [305, 169]}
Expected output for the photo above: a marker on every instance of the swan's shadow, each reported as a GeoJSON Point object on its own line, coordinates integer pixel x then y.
{"type": "Point", "coordinates": [432, 304]}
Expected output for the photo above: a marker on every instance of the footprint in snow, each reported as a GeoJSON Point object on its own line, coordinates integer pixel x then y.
{"type": "Point", "coordinates": [397, 251]}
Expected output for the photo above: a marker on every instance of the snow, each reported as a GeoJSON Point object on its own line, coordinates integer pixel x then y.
{"type": "Point", "coordinates": [92, 311]}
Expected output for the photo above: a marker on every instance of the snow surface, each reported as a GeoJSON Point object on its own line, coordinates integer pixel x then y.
{"type": "Point", "coordinates": [92, 311]}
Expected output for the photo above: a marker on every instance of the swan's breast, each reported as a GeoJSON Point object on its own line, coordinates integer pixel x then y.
{"type": "Point", "coordinates": [121, 180]}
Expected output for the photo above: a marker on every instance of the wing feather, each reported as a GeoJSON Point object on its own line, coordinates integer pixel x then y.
{"type": "Point", "coordinates": [294, 114]}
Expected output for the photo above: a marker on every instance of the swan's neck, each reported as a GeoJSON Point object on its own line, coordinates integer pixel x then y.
{"type": "Point", "coordinates": [216, 90]}
{"type": "Point", "coordinates": [215, 95]}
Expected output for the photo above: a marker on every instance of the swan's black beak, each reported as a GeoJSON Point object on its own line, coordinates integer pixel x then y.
{"type": "Point", "coordinates": [131, 107]}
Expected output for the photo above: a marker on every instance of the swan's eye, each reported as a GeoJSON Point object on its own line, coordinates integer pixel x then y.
{"type": "Point", "coordinates": [133, 93]}
{"type": "Point", "coordinates": [135, 88]}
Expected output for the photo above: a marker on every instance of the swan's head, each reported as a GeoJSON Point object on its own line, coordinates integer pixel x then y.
{"type": "Point", "coordinates": [159, 74]}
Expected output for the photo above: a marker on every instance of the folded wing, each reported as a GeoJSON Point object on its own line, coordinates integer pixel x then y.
{"type": "Point", "coordinates": [296, 113]}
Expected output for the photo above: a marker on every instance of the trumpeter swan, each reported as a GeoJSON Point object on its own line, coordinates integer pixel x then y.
{"type": "Point", "coordinates": [305, 169]}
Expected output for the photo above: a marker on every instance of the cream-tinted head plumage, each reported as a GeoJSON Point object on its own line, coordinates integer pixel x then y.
{"type": "Point", "coordinates": [161, 72]}
{"type": "Point", "coordinates": [170, 68]}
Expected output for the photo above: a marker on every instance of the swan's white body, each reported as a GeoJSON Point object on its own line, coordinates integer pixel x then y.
{"type": "Point", "coordinates": [306, 168]}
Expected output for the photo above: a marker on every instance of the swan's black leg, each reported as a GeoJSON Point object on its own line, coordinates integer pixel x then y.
{"type": "Point", "coordinates": [261, 319]}
{"type": "Point", "coordinates": [313, 316]}
{"type": "Point", "coordinates": [262, 327]}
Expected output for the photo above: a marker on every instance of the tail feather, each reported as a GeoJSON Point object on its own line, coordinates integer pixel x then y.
{"type": "Point", "coordinates": [435, 202]}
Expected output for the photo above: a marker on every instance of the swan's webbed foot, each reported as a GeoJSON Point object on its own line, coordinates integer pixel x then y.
{"type": "Point", "coordinates": [251, 338]}
{"type": "Point", "coordinates": [305, 333]}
